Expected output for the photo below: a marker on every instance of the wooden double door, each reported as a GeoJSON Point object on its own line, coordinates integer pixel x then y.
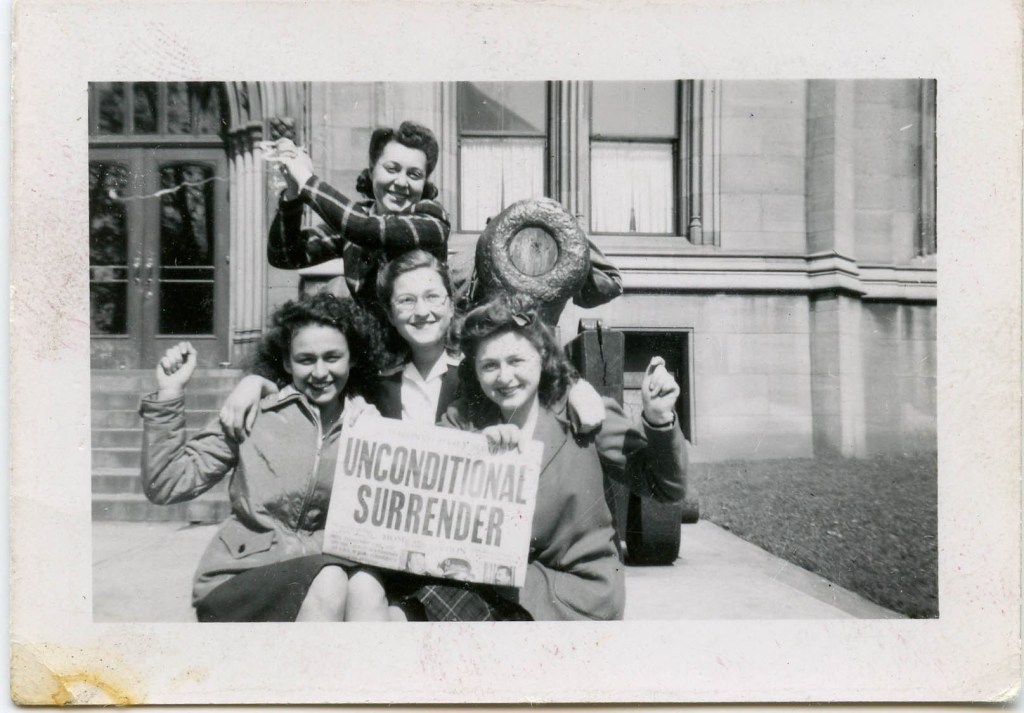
{"type": "Point", "coordinates": [158, 253]}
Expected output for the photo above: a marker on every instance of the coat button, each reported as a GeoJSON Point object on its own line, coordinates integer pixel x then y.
{"type": "Point", "coordinates": [241, 548]}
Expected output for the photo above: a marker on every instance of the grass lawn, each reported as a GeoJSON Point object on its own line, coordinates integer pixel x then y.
{"type": "Point", "coordinates": [869, 526]}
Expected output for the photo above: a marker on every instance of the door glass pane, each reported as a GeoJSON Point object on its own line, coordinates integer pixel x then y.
{"type": "Point", "coordinates": [496, 173]}
{"type": "Point", "coordinates": [503, 107]}
{"type": "Point", "coordinates": [146, 100]}
{"type": "Point", "coordinates": [634, 109]}
{"type": "Point", "coordinates": [631, 187]}
{"type": "Point", "coordinates": [108, 248]}
{"type": "Point", "coordinates": [111, 107]}
{"type": "Point", "coordinates": [207, 107]}
{"type": "Point", "coordinates": [186, 249]}
{"type": "Point", "coordinates": [179, 115]}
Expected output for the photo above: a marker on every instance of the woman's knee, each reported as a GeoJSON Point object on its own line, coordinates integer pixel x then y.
{"type": "Point", "coordinates": [327, 593]}
{"type": "Point", "coordinates": [367, 600]}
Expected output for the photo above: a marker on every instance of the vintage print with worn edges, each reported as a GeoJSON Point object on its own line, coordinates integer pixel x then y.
{"type": "Point", "coordinates": [477, 371]}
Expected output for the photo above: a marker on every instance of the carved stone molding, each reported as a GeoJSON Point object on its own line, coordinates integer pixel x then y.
{"type": "Point", "coordinates": [700, 107]}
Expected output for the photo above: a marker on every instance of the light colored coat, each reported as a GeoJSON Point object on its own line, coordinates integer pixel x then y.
{"type": "Point", "coordinates": [279, 490]}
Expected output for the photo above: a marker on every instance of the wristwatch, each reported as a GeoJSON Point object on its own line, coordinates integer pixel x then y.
{"type": "Point", "coordinates": [659, 425]}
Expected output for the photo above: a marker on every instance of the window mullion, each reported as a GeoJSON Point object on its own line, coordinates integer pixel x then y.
{"type": "Point", "coordinates": [129, 108]}
{"type": "Point", "coordinates": [161, 108]}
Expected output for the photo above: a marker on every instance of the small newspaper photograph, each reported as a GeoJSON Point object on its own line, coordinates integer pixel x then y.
{"type": "Point", "coordinates": [433, 501]}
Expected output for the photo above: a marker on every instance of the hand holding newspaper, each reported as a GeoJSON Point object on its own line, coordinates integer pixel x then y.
{"type": "Point", "coordinates": [433, 501]}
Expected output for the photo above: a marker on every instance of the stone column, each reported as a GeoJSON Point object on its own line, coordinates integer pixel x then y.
{"type": "Point", "coordinates": [830, 167]}
{"type": "Point", "coordinates": [569, 166]}
{"type": "Point", "coordinates": [569, 152]}
{"type": "Point", "coordinates": [837, 375]}
{"type": "Point", "coordinates": [248, 237]}
{"type": "Point", "coordinates": [699, 197]}
{"type": "Point", "coordinates": [926, 212]}
{"type": "Point", "coordinates": [837, 354]}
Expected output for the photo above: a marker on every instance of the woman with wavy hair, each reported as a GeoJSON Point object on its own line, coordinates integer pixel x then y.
{"type": "Point", "coordinates": [266, 561]}
{"type": "Point", "coordinates": [400, 212]}
{"type": "Point", "coordinates": [515, 380]}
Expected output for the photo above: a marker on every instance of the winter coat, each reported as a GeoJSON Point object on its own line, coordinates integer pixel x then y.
{"type": "Point", "coordinates": [574, 570]}
{"type": "Point", "coordinates": [280, 488]}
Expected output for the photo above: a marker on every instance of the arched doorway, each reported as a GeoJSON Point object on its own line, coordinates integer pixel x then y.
{"type": "Point", "coordinates": [158, 221]}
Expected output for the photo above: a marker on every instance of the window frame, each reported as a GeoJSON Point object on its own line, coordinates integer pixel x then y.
{"type": "Point", "coordinates": [129, 138]}
{"type": "Point", "coordinates": [459, 134]}
{"type": "Point", "coordinates": [675, 142]}
{"type": "Point", "coordinates": [696, 165]}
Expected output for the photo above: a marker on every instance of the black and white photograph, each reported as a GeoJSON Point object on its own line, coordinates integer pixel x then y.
{"type": "Point", "coordinates": [720, 412]}
{"type": "Point", "coordinates": [764, 248]}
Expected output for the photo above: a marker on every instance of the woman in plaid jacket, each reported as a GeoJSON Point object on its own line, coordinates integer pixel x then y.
{"type": "Point", "coordinates": [400, 213]}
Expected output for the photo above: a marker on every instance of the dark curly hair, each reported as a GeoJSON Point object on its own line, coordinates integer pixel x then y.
{"type": "Point", "coordinates": [513, 313]}
{"type": "Point", "coordinates": [360, 329]}
{"type": "Point", "coordinates": [410, 134]}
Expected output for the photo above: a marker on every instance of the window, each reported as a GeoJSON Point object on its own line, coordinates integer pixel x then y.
{"type": "Point", "coordinates": [627, 158]}
{"type": "Point", "coordinates": [634, 140]}
{"type": "Point", "coordinates": [120, 109]}
{"type": "Point", "coordinates": [502, 129]}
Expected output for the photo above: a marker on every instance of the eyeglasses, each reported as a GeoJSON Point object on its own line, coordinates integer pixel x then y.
{"type": "Point", "coordinates": [404, 304]}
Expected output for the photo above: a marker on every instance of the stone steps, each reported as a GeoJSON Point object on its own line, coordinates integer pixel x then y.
{"type": "Point", "coordinates": [135, 508]}
{"type": "Point", "coordinates": [130, 419]}
{"type": "Point", "coordinates": [129, 401]}
{"type": "Point", "coordinates": [117, 444]}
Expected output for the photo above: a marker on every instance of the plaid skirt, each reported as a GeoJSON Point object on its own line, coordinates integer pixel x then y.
{"type": "Point", "coordinates": [448, 600]}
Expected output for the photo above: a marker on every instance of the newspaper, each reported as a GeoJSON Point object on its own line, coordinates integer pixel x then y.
{"type": "Point", "coordinates": [433, 501]}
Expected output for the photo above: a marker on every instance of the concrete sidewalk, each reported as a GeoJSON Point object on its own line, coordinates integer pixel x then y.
{"type": "Point", "coordinates": [142, 572]}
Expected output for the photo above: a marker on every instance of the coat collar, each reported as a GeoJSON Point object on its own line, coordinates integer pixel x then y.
{"type": "Point", "coordinates": [552, 430]}
{"type": "Point", "coordinates": [390, 394]}
{"type": "Point", "coordinates": [452, 360]}
{"type": "Point", "coordinates": [288, 395]}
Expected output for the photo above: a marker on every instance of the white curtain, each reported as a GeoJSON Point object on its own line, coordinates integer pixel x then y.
{"type": "Point", "coordinates": [631, 187]}
{"type": "Point", "coordinates": [494, 173]}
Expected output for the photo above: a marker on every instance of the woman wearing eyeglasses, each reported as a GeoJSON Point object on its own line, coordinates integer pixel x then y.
{"type": "Point", "coordinates": [414, 291]}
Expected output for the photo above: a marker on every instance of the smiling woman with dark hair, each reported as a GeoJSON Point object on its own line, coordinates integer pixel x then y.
{"type": "Point", "coordinates": [400, 215]}
{"type": "Point", "coordinates": [266, 561]}
{"type": "Point", "coordinates": [515, 380]}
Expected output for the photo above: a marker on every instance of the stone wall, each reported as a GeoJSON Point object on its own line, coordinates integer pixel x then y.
{"type": "Point", "coordinates": [763, 157]}
{"type": "Point", "coordinates": [887, 145]}
{"type": "Point", "coordinates": [751, 368]}
{"type": "Point", "coordinates": [899, 342]}
{"type": "Point", "coordinates": [806, 167]}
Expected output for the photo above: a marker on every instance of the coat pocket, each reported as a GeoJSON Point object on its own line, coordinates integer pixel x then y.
{"type": "Point", "coordinates": [243, 542]}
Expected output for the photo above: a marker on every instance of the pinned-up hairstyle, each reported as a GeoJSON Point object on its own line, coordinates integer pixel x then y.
{"type": "Point", "coordinates": [518, 314]}
{"type": "Point", "coordinates": [410, 134]}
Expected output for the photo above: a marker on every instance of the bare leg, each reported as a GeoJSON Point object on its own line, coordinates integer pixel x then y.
{"type": "Point", "coordinates": [326, 598]}
{"type": "Point", "coordinates": [366, 599]}
{"type": "Point", "coordinates": [396, 614]}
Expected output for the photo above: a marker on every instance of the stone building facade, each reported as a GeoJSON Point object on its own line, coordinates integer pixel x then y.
{"type": "Point", "coordinates": [777, 238]}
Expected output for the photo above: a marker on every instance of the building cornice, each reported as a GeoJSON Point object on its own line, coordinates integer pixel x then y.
{"type": "Point", "coordinates": [663, 264]}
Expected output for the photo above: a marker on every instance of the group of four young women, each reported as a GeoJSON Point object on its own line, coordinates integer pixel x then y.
{"type": "Point", "coordinates": [323, 363]}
